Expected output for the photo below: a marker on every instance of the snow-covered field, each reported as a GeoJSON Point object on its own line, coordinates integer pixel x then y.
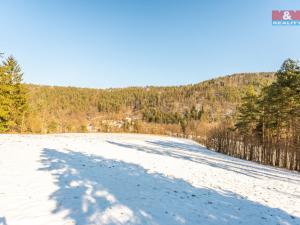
{"type": "Point", "coordinates": [137, 179]}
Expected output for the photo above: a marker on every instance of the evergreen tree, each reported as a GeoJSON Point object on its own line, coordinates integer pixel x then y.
{"type": "Point", "coordinates": [248, 112]}
{"type": "Point", "coordinates": [12, 96]}
{"type": "Point", "coordinates": [5, 100]}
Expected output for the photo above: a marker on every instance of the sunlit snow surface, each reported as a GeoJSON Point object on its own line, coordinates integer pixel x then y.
{"type": "Point", "coordinates": [91, 179]}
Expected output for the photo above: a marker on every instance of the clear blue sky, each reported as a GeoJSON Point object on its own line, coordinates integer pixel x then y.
{"type": "Point", "coordinates": [117, 43]}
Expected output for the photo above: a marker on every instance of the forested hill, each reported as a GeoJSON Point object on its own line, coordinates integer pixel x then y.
{"type": "Point", "coordinates": [254, 116]}
{"type": "Point", "coordinates": [178, 110]}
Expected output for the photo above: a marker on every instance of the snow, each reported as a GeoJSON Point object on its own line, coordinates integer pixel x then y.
{"type": "Point", "coordinates": [92, 179]}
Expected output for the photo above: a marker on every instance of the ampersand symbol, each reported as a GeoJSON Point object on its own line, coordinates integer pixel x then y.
{"type": "Point", "coordinates": [286, 15]}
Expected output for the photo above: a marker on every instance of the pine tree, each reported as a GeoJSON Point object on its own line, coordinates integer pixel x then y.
{"type": "Point", "coordinates": [5, 101]}
{"type": "Point", "coordinates": [13, 101]}
{"type": "Point", "coordinates": [248, 113]}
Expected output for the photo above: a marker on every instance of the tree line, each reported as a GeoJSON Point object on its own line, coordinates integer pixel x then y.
{"type": "Point", "coordinates": [182, 110]}
{"type": "Point", "coordinates": [267, 127]}
{"type": "Point", "coordinates": [254, 116]}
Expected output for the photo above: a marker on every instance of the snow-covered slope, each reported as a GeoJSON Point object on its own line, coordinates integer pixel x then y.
{"type": "Point", "coordinates": [137, 179]}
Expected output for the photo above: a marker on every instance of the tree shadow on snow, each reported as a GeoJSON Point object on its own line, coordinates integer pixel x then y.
{"type": "Point", "coordinates": [94, 190]}
{"type": "Point", "coordinates": [3, 221]}
{"type": "Point", "coordinates": [198, 154]}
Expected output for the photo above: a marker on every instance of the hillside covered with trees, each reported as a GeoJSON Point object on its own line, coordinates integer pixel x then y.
{"type": "Point", "coordinates": [254, 116]}
{"type": "Point", "coordinates": [184, 110]}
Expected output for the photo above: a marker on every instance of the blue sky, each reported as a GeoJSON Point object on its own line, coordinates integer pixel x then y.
{"type": "Point", "coordinates": [118, 43]}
